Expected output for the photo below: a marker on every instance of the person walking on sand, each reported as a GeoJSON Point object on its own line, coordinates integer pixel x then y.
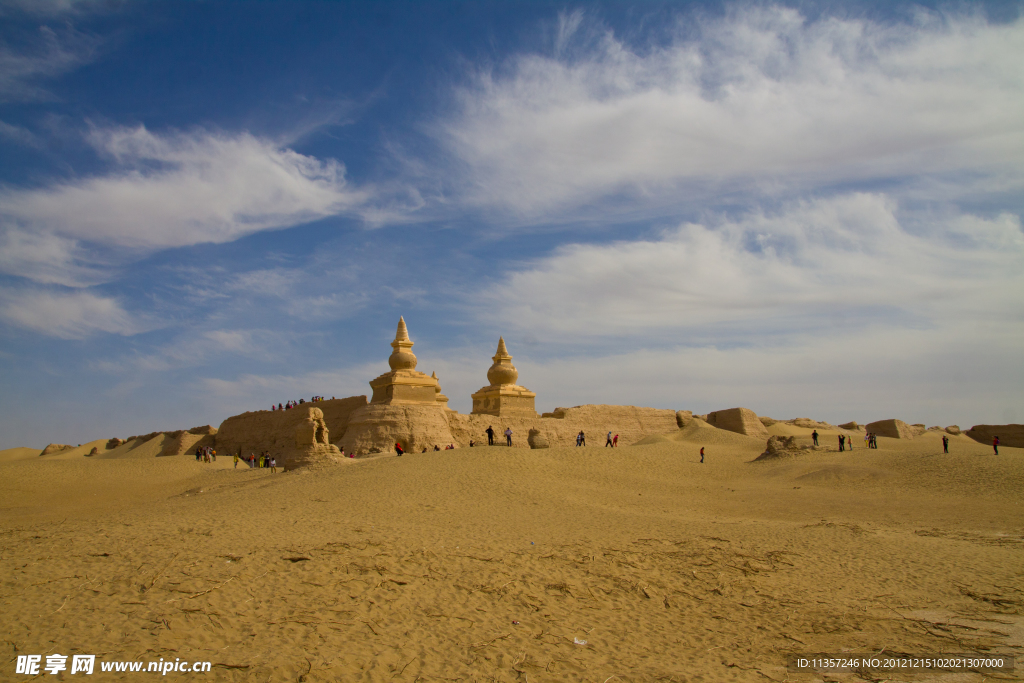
{"type": "Point", "coordinates": [490, 435]}
{"type": "Point", "coordinates": [842, 441]}
{"type": "Point", "coordinates": [995, 444]}
{"type": "Point", "coordinates": [398, 449]}
{"type": "Point", "coordinates": [508, 436]}
{"type": "Point", "coordinates": [615, 441]}
{"type": "Point", "coordinates": [814, 437]}
{"type": "Point", "coordinates": [236, 461]}
{"type": "Point", "coordinates": [252, 461]}
{"type": "Point", "coordinates": [702, 454]}
{"type": "Point", "coordinates": [583, 438]}
{"type": "Point", "coordinates": [945, 444]}
{"type": "Point", "coordinates": [273, 465]}
{"type": "Point", "coordinates": [608, 441]}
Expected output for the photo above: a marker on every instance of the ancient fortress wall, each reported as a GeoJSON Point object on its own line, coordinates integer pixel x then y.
{"type": "Point", "coordinates": [561, 426]}
{"type": "Point", "coordinates": [1011, 435]}
{"type": "Point", "coordinates": [275, 430]}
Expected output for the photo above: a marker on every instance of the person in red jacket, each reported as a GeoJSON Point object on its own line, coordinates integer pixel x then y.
{"type": "Point", "coordinates": [995, 444]}
{"type": "Point", "coordinates": [398, 448]}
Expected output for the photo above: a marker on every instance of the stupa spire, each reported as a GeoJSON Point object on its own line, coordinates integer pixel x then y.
{"type": "Point", "coordinates": [402, 358]}
{"type": "Point", "coordinates": [502, 372]}
{"type": "Point", "coordinates": [502, 351]}
{"type": "Point", "coordinates": [402, 334]}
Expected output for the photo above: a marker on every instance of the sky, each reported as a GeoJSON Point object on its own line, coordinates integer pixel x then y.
{"type": "Point", "coordinates": [809, 209]}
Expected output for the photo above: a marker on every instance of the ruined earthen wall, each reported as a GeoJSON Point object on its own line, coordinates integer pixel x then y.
{"type": "Point", "coordinates": [1011, 435]}
{"type": "Point", "coordinates": [274, 430]}
{"type": "Point", "coordinates": [738, 420]}
{"type": "Point", "coordinates": [894, 429]}
{"type": "Point", "coordinates": [629, 422]}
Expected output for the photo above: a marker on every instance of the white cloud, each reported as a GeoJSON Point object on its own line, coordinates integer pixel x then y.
{"type": "Point", "coordinates": [67, 315]}
{"type": "Point", "coordinates": [183, 189]}
{"type": "Point", "coordinates": [761, 94]}
{"type": "Point", "coordinates": [18, 134]}
{"type": "Point", "coordinates": [846, 257]}
{"type": "Point", "coordinates": [46, 259]}
{"type": "Point", "coordinates": [938, 376]}
{"type": "Point", "coordinates": [46, 55]}
{"type": "Point", "coordinates": [200, 347]}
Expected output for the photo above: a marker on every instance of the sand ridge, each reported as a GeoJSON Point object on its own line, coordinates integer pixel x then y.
{"type": "Point", "coordinates": [495, 563]}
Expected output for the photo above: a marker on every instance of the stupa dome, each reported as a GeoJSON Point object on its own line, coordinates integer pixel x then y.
{"type": "Point", "coordinates": [502, 372]}
{"type": "Point", "coordinates": [402, 358]}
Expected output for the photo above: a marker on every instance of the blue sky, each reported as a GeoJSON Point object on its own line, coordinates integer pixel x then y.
{"type": "Point", "coordinates": [807, 209]}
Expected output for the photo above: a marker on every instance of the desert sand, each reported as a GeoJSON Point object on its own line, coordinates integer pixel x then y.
{"type": "Point", "coordinates": [564, 564]}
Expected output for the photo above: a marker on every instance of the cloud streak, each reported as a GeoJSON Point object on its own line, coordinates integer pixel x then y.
{"type": "Point", "coordinates": [66, 315]}
{"type": "Point", "coordinates": [762, 94]}
{"type": "Point", "coordinates": [764, 274]}
{"type": "Point", "coordinates": [47, 54]}
{"type": "Point", "coordinates": [186, 188]}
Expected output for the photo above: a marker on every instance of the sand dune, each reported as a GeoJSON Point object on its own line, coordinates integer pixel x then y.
{"type": "Point", "coordinates": [496, 563]}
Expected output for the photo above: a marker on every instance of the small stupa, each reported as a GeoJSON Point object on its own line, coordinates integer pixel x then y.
{"type": "Point", "coordinates": [441, 398]}
{"type": "Point", "coordinates": [503, 396]}
{"type": "Point", "coordinates": [404, 384]}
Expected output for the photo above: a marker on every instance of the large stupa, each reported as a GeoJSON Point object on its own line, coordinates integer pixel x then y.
{"type": "Point", "coordinates": [503, 397]}
{"type": "Point", "coordinates": [404, 384]}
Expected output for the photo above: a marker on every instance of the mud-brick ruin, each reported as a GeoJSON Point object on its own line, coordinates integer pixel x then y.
{"type": "Point", "coordinates": [408, 407]}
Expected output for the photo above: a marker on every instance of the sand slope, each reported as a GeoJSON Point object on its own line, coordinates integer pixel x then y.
{"type": "Point", "coordinates": [496, 563]}
{"type": "Point", "coordinates": [19, 453]}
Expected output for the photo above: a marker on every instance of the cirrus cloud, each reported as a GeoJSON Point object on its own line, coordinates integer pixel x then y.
{"type": "Point", "coordinates": [761, 95]}
{"type": "Point", "coordinates": [764, 273]}
{"type": "Point", "coordinates": [186, 188]}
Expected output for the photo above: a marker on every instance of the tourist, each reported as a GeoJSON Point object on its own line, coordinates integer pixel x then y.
{"type": "Point", "coordinates": [842, 440]}
{"type": "Point", "coordinates": [398, 449]}
{"type": "Point", "coordinates": [252, 461]}
{"type": "Point", "coordinates": [866, 444]}
{"type": "Point", "coordinates": [608, 441]}
{"type": "Point", "coordinates": [279, 407]}
{"type": "Point", "coordinates": [583, 438]}
{"type": "Point", "coordinates": [424, 450]}
{"type": "Point", "coordinates": [199, 453]}
{"type": "Point", "coordinates": [236, 461]}
{"type": "Point", "coordinates": [814, 437]}
{"type": "Point", "coordinates": [995, 444]}
{"type": "Point", "coordinates": [273, 407]}
{"type": "Point", "coordinates": [471, 443]}
{"type": "Point", "coordinates": [615, 441]}
{"type": "Point", "coordinates": [702, 454]}
{"type": "Point", "coordinates": [490, 435]}
{"type": "Point", "coordinates": [945, 444]}
{"type": "Point", "coordinates": [273, 465]}
{"type": "Point", "coordinates": [213, 454]}
{"type": "Point", "coordinates": [436, 448]}
{"type": "Point", "coordinates": [508, 435]}
{"type": "Point", "coordinates": [578, 439]}
{"type": "Point", "coordinates": [343, 451]}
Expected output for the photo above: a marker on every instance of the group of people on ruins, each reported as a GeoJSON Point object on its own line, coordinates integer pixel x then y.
{"type": "Point", "coordinates": [288, 405]}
